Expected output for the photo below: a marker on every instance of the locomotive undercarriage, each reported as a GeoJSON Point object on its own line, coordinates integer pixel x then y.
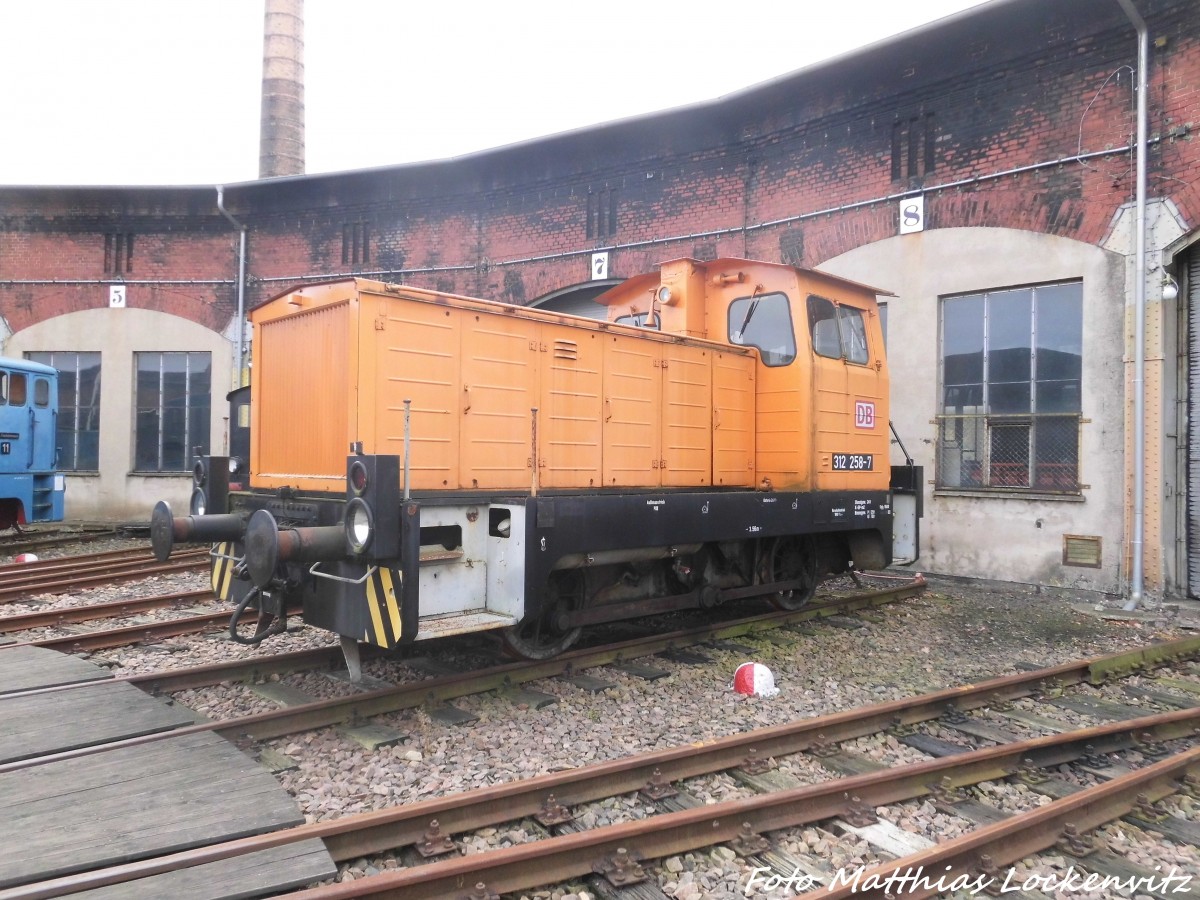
{"type": "Point", "coordinates": [786, 570]}
{"type": "Point", "coordinates": [536, 570]}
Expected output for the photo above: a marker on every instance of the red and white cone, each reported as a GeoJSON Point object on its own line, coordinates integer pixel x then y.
{"type": "Point", "coordinates": [26, 557]}
{"type": "Point", "coordinates": [754, 679]}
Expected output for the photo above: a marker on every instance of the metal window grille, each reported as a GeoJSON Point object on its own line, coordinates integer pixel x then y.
{"type": "Point", "coordinates": [1016, 453]}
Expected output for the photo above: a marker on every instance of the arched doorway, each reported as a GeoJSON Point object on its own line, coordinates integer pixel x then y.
{"type": "Point", "coordinates": [577, 300]}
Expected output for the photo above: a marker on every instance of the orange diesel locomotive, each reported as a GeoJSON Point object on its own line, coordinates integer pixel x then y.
{"type": "Point", "coordinates": [423, 464]}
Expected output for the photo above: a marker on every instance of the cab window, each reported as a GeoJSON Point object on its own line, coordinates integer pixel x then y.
{"type": "Point", "coordinates": [838, 332]}
{"type": "Point", "coordinates": [765, 322]}
{"type": "Point", "coordinates": [16, 389]}
{"type": "Point", "coordinates": [41, 393]}
{"type": "Point", "coordinates": [822, 322]}
{"type": "Point", "coordinates": [854, 334]}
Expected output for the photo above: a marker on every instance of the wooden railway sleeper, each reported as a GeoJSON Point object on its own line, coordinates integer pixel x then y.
{"type": "Point", "coordinates": [754, 764]}
{"type": "Point", "coordinates": [657, 788]}
{"type": "Point", "coordinates": [1077, 844]}
{"type": "Point", "coordinates": [435, 842]}
{"type": "Point", "coordinates": [553, 813]}
{"type": "Point", "coordinates": [1029, 773]}
{"type": "Point", "coordinates": [1190, 786]}
{"type": "Point", "coordinates": [748, 842]}
{"type": "Point", "coordinates": [1146, 810]}
{"type": "Point", "coordinates": [945, 793]}
{"type": "Point", "coordinates": [622, 868]}
{"type": "Point", "coordinates": [859, 814]}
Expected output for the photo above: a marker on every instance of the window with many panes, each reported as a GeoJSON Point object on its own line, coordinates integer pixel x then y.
{"type": "Point", "coordinates": [173, 403]}
{"type": "Point", "coordinates": [78, 408]}
{"type": "Point", "coordinates": [1011, 370]}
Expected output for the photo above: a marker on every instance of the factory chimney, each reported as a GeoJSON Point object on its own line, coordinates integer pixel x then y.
{"type": "Point", "coordinates": [281, 133]}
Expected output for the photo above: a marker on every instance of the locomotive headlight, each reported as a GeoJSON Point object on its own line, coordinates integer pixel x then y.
{"type": "Point", "coordinates": [358, 478]}
{"type": "Point", "coordinates": [235, 465]}
{"type": "Point", "coordinates": [199, 474]}
{"type": "Point", "coordinates": [360, 525]}
{"type": "Point", "coordinates": [664, 296]}
{"type": "Point", "coordinates": [199, 502]}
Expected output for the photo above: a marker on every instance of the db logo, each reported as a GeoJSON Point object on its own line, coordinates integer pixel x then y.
{"type": "Point", "coordinates": [864, 414]}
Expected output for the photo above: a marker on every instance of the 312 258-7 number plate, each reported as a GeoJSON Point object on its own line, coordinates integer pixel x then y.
{"type": "Point", "coordinates": [853, 462]}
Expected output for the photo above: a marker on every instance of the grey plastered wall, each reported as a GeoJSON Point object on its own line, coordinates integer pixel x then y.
{"type": "Point", "coordinates": [1008, 538]}
{"type": "Point", "coordinates": [114, 493]}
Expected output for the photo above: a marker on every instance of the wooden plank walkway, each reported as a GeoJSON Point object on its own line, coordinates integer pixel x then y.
{"type": "Point", "coordinates": [39, 724]}
{"type": "Point", "coordinates": [282, 868]}
{"type": "Point", "coordinates": [28, 668]}
{"type": "Point", "coordinates": [142, 801]}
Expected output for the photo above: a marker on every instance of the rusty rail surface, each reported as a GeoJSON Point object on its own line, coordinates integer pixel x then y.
{"type": "Point", "coordinates": [114, 609]}
{"type": "Point", "coordinates": [356, 707]}
{"type": "Point", "coordinates": [979, 854]}
{"type": "Point", "coordinates": [60, 575]}
{"type": "Point", "coordinates": [558, 859]}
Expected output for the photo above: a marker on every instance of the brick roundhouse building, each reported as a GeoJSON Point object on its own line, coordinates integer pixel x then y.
{"type": "Point", "coordinates": [982, 169]}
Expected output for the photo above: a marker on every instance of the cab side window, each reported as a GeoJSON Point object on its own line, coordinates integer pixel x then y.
{"type": "Point", "coordinates": [764, 321]}
{"type": "Point", "coordinates": [854, 334]}
{"type": "Point", "coordinates": [838, 332]}
{"type": "Point", "coordinates": [16, 389]}
{"type": "Point", "coordinates": [822, 322]}
{"type": "Point", "coordinates": [41, 393]}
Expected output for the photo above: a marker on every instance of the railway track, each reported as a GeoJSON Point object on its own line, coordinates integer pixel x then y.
{"type": "Point", "coordinates": [41, 538]}
{"type": "Point", "coordinates": [115, 609]}
{"type": "Point", "coordinates": [358, 707]}
{"type": "Point", "coordinates": [19, 581]}
{"type": "Point", "coordinates": [679, 825]}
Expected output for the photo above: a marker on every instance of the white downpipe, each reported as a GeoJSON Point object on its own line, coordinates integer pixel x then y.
{"type": "Point", "coordinates": [241, 283]}
{"type": "Point", "coordinates": [1137, 570]}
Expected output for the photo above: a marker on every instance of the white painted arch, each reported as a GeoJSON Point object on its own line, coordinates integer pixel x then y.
{"type": "Point", "coordinates": [1005, 538]}
{"type": "Point", "coordinates": [114, 493]}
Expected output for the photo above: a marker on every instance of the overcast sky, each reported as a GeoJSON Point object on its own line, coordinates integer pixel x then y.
{"type": "Point", "coordinates": [128, 92]}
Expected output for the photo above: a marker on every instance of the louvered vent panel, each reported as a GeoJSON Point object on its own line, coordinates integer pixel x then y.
{"type": "Point", "coordinates": [1082, 550]}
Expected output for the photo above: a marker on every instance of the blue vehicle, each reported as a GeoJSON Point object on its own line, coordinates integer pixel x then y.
{"type": "Point", "coordinates": [31, 487]}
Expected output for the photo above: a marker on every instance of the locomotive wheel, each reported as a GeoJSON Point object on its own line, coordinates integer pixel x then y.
{"type": "Point", "coordinates": [539, 637]}
{"type": "Point", "coordinates": [791, 559]}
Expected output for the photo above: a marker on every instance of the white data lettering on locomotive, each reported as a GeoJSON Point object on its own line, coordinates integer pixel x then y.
{"type": "Point", "coordinates": [853, 462]}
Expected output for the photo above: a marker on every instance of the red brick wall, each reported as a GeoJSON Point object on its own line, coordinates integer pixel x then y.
{"type": "Point", "coordinates": [763, 174]}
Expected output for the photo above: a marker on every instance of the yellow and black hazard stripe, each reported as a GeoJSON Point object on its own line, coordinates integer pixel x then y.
{"type": "Point", "coordinates": [384, 606]}
{"type": "Point", "coordinates": [222, 570]}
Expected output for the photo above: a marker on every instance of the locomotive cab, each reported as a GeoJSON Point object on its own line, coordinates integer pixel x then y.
{"type": "Point", "coordinates": [463, 465]}
{"type": "Point", "coordinates": [31, 487]}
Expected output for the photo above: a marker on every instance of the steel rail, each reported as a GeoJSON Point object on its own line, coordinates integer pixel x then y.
{"type": "Point", "coordinates": [337, 710]}
{"type": "Point", "coordinates": [334, 711]}
{"type": "Point", "coordinates": [557, 859]}
{"type": "Point", "coordinates": [78, 561]}
{"type": "Point", "coordinates": [130, 634]}
{"type": "Point", "coordinates": [55, 538]}
{"type": "Point", "coordinates": [14, 589]}
{"type": "Point", "coordinates": [1013, 839]}
{"type": "Point", "coordinates": [238, 670]}
{"type": "Point", "coordinates": [165, 682]}
{"type": "Point", "coordinates": [115, 609]}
